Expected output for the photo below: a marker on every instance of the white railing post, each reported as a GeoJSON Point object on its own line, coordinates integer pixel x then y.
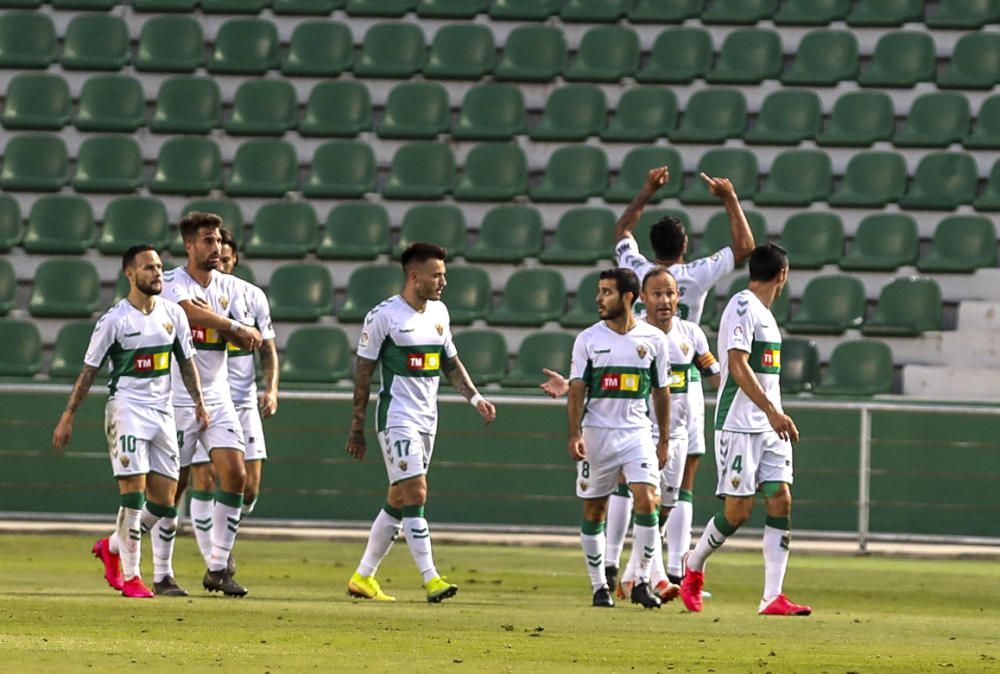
{"type": "Point", "coordinates": [864, 479]}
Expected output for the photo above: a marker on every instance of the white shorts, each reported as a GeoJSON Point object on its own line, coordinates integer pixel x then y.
{"type": "Point", "coordinates": [141, 440]}
{"type": "Point", "coordinates": [224, 431]}
{"type": "Point", "coordinates": [406, 451]}
{"type": "Point", "coordinates": [673, 472]}
{"type": "Point", "coordinates": [613, 451]}
{"type": "Point", "coordinates": [696, 419]}
{"type": "Point", "coordinates": [253, 433]}
{"type": "Point", "coordinates": [744, 461]}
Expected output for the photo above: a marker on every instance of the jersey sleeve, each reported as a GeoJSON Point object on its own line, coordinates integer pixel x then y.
{"type": "Point", "coordinates": [704, 359]}
{"type": "Point", "coordinates": [373, 334]}
{"type": "Point", "coordinates": [177, 291]}
{"type": "Point", "coordinates": [183, 339]}
{"type": "Point", "coordinates": [741, 325]}
{"type": "Point", "coordinates": [261, 311]}
{"type": "Point", "coordinates": [627, 255]}
{"type": "Point", "coordinates": [101, 340]}
{"type": "Point", "coordinates": [709, 270]}
{"type": "Point", "coordinates": [580, 359]}
{"type": "Point", "coordinates": [661, 364]}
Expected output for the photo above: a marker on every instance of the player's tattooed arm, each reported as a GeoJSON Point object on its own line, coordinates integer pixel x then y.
{"type": "Point", "coordinates": [362, 391]}
{"type": "Point", "coordinates": [192, 382]}
{"type": "Point", "coordinates": [64, 429]}
{"type": "Point", "coordinates": [655, 179]}
{"type": "Point", "coordinates": [269, 363]}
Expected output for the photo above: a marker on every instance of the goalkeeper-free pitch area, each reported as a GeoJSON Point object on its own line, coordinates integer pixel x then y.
{"type": "Point", "coordinates": [518, 609]}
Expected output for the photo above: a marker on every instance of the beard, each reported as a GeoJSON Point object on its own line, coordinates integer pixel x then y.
{"type": "Point", "coordinates": [148, 289]}
{"type": "Point", "coordinates": [613, 312]}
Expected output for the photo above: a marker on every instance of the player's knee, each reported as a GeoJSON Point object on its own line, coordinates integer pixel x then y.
{"type": "Point", "coordinates": [644, 499]}
{"type": "Point", "coordinates": [249, 494]}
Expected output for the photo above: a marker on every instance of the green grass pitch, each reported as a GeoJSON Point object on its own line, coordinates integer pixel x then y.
{"type": "Point", "coordinates": [518, 609]}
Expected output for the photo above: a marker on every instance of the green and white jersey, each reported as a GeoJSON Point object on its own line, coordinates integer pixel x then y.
{"type": "Point", "coordinates": [620, 372]}
{"type": "Point", "coordinates": [411, 347]}
{"type": "Point", "coordinates": [242, 373]}
{"type": "Point", "coordinates": [747, 325]}
{"type": "Point", "coordinates": [688, 350]}
{"type": "Point", "coordinates": [140, 348]}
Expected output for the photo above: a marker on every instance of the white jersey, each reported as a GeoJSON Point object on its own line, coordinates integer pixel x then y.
{"type": "Point", "coordinates": [242, 373]}
{"type": "Point", "coordinates": [223, 297]}
{"type": "Point", "coordinates": [688, 349]}
{"type": "Point", "coordinates": [620, 372]}
{"type": "Point", "coordinates": [139, 347]}
{"type": "Point", "coordinates": [410, 347]}
{"type": "Point", "coordinates": [747, 325]}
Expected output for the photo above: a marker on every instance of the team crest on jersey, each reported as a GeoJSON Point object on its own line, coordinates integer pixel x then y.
{"type": "Point", "coordinates": [125, 460]}
{"type": "Point", "coordinates": [735, 481]}
{"type": "Point", "coordinates": [403, 465]}
{"type": "Point", "coordinates": [224, 302]}
{"type": "Point", "coordinates": [642, 351]}
{"type": "Point", "coordinates": [439, 328]}
{"type": "Point", "coordinates": [685, 348]}
{"type": "Point", "coordinates": [169, 327]}
{"type": "Point", "coordinates": [583, 485]}
{"type": "Point", "coordinates": [364, 339]}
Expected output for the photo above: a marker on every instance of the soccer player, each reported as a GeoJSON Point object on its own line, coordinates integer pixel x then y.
{"type": "Point", "coordinates": [409, 336]}
{"type": "Point", "coordinates": [617, 364]}
{"type": "Point", "coordinates": [213, 304]}
{"type": "Point", "coordinates": [753, 436]}
{"type": "Point", "coordinates": [140, 335]}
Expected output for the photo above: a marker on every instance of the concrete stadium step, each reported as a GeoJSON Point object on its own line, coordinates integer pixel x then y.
{"type": "Point", "coordinates": [946, 382]}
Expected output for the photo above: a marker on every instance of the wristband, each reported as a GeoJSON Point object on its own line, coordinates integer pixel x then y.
{"type": "Point", "coordinates": [234, 326]}
{"type": "Point", "coordinates": [476, 399]}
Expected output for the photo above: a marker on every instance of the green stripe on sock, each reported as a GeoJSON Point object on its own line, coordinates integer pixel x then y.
{"type": "Point", "coordinates": [413, 511]}
{"type": "Point", "coordinates": [723, 525]}
{"type": "Point", "coordinates": [159, 510]}
{"type": "Point", "coordinates": [592, 528]}
{"type": "Point", "coordinates": [622, 490]}
{"type": "Point", "coordinates": [229, 498]}
{"type": "Point", "coordinates": [662, 514]}
{"type": "Point", "coordinates": [202, 495]}
{"type": "Point", "coordinates": [394, 513]}
{"type": "Point", "coordinates": [133, 499]}
{"type": "Point", "coordinates": [645, 519]}
{"type": "Point", "coordinates": [171, 512]}
{"type": "Point", "coordinates": [686, 495]}
{"type": "Point", "coordinates": [783, 523]}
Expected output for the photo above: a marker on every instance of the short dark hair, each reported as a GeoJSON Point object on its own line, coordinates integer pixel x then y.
{"type": "Point", "coordinates": [658, 270]}
{"type": "Point", "coordinates": [666, 237]}
{"type": "Point", "coordinates": [195, 220]}
{"type": "Point", "coordinates": [421, 251]}
{"type": "Point", "coordinates": [128, 258]}
{"type": "Point", "coordinates": [229, 240]}
{"type": "Point", "coordinates": [766, 262]}
{"type": "Point", "coordinates": [625, 279]}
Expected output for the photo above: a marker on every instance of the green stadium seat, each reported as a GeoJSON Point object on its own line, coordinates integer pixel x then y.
{"type": "Point", "coordinates": [164, 5]}
{"type": "Point", "coordinates": [532, 54]}
{"type": "Point", "coordinates": [234, 6]}
{"type": "Point", "coordinates": [394, 8]}
{"type": "Point", "coordinates": [989, 200]}
{"type": "Point", "coordinates": [483, 353]}
{"type": "Point", "coordinates": [799, 366]}
{"type": "Point", "coordinates": [593, 11]}
{"type": "Point", "coordinates": [300, 291]}
{"type": "Point", "coordinates": [111, 103]}
{"type": "Point", "coordinates": [451, 9]}
{"type": "Point", "coordinates": [748, 56]}
{"type": "Point", "coordinates": [263, 107]}
{"type": "Point", "coordinates": [20, 4]}
{"type": "Point", "coordinates": [824, 57]}
{"type": "Point", "coordinates": [340, 169]}
{"type": "Point", "coordinates": [355, 231]}
{"type": "Point", "coordinates": [421, 171]}
{"type": "Point", "coordinates": [395, 50]}
{"type": "Point", "coordinates": [70, 348]}
{"type": "Point", "coordinates": [858, 368]}
{"type": "Point", "coordinates": [573, 112]}
{"type": "Point", "coordinates": [491, 111]}
{"type": "Point", "coordinates": [468, 294]}
{"type": "Point", "coordinates": [650, 217]}
{"type": "Point", "coordinates": [678, 56]}
{"type": "Point", "coordinates": [901, 59]}
{"type": "Point", "coordinates": [245, 47]}
{"type": "Point", "coordinates": [635, 168]}
{"type": "Point", "coordinates": [129, 221]}
{"type": "Point", "coordinates": [227, 209]}
{"type": "Point", "coordinates": [710, 315]}
{"type": "Point", "coordinates": [961, 244]}
{"type": "Point", "coordinates": [739, 12]}
{"type": "Point", "coordinates": [187, 105]}
{"type": "Point", "coordinates": [787, 117]}
{"type": "Point", "coordinates": [781, 308]}
{"type": "Point", "coordinates": [523, 10]}
{"type": "Point", "coordinates": [8, 287]}
{"type": "Point", "coordinates": [187, 165]}
{"type": "Point", "coordinates": [27, 40]}
{"type": "Point", "coordinates": [10, 222]}
{"type": "Point", "coordinates": [812, 12]}
{"type": "Point", "coordinates": [306, 7]}
{"type": "Point", "coordinates": [319, 354]}
{"type": "Point", "coordinates": [442, 224]}
{"type": "Point", "coordinates": [35, 163]}
{"type": "Point", "coordinates": [22, 353]}
{"type": "Point", "coordinates": [583, 313]}
{"type": "Point", "coordinates": [935, 120]}
{"type": "Point", "coordinates": [973, 63]}
{"type": "Point", "coordinates": [859, 119]}
{"type": "Point", "coordinates": [37, 101]}
{"type": "Point", "coordinates": [264, 168]}
{"type": "Point", "coordinates": [712, 116]}
{"type": "Point", "coordinates": [964, 14]}
{"type": "Point", "coordinates": [461, 52]}
{"type": "Point", "coordinates": [907, 307]}
{"type": "Point", "coordinates": [65, 288]}
{"type": "Point", "coordinates": [583, 236]}
{"type": "Point", "coordinates": [574, 173]}
{"type": "Point", "coordinates": [415, 110]}
{"type": "Point", "coordinates": [885, 12]}
{"type": "Point", "coordinates": [797, 178]}
{"type": "Point", "coordinates": [60, 225]}
{"type": "Point", "coordinates": [340, 108]}
{"type": "Point", "coordinates": [530, 298]}
{"type": "Point", "coordinates": [95, 42]}
{"type": "Point", "coordinates": [121, 288]}
{"type": "Point", "coordinates": [493, 172]}
{"type": "Point", "coordinates": [508, 234]}
{"type": "Point", "coordinates": [873, 179]}
{"type": "Point", "coordinates": [985, 133]}
{"type": "Point", "coordinates": [813, 239]}
{"type": "Point", "coordinates": [606, 54]}
{"type": "Point", "coordinates": [173, 44]}
{"type": "Point", "coordinates": [943, 182]}
{"type": "Point", "coordinates": [740, 166]}
{"type": "Point", "coordinates": [283, 230]}
{"type": "Point", "coordinates": [319, 48]}
{"type": "Point", "coordinates": [643, 114]}
{"type": "Point", "coordinates": [91, 5]}
{"type": "Point", "coordinates": [552, 350]}
{"type": "Point", "coordinates": [108, 164]}
{"type": "Point", "coordinates": [829, 306]}
{"type": "Point", "coordinates": [368, 286]}
{"type": "Point", "coordinates": [718, 233]}
{"type": "Point", "coordinates": [883, 242]}
{"type": "Point", "coordinates": [665, 11]}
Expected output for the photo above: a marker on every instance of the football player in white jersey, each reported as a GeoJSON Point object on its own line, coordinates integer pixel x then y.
{"type": "Point", "coordinates": [140, 336]}
{"type": "Point", "coordinates": [409, 337]}
{"type": "Point", "coordinates": [213, 304]}
{"type": "Point", "coordinates": [753, 436]}
{"type": "Point", "coordinates": [618, 364]}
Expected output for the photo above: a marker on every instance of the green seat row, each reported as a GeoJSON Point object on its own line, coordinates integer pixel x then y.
{"type": "Point", "coordinates": [856, 368]}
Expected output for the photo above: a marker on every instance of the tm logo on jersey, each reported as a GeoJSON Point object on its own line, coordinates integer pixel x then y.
{"type": "Point", "coordinates": [204, 335]}
{"type": "Point", "coordinates": [771, 358]}
{"type": "Point", "coordinates": [423, 361]}
{"type": "Point", "coordinates": [620, 382]}
{"type": "Point", "coordinates": [152, 362]}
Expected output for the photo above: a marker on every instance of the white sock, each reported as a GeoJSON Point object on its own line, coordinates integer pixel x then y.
{"type": "Point", "coordinates": [202, 506]}
{"type": "Point", "coordinates": [247, 508]}
{"type": "Point", "coordinates": [225, 525]}
{"type": "Point", "coordinates": [646, 540]}
{"type": "Point", "coordinates": [593, 541]}
{"type": "Point", "coordinates": [385, 529]}
{"type": "Point", "coordinates": [716, 532]}
{"type": "Point", "coordinates": [114, 545]}
{"type": "Point", "coordinates": [657, 572]}
{"type": "Point", "coordinates": [619, 517]}
{"type": "Point", "coordinates": [129, 537]}
{"type": "Point", "coordinates": [678, 536]}
{"type": "Point", "coordinates": [776, 539]}
{"type": "Point", "coordinates": [418, 538]}
{"type": "Point", "coordinates": [162, 535]}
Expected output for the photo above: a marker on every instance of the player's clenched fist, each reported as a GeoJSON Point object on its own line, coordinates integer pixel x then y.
{"type": "Point", "coordinates": [657, 178]}
{"type": "Point", "coordinates": [356, 444]}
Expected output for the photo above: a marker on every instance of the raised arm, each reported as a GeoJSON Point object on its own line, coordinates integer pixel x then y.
{"type": "Point", "coordinates": [459, 378]}
{"type": "Point", "coordinates": [739, 369]}
{"type": "Point", "coordinates": [362, 391]}
{"type": "Point", "coordinates": [655, 179]}
{"type": "Point", "coordinates": [64, 429]}
{"type": "Point", "coordinates": [743, 243]}
{"type": "Point", "coordinates": [269, 364]}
